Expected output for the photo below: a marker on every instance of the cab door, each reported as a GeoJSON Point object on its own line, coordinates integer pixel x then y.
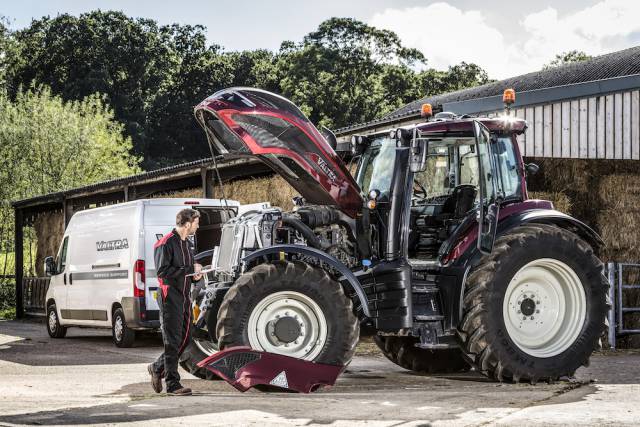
{"type": "Point", "coordinates": [489, 194]}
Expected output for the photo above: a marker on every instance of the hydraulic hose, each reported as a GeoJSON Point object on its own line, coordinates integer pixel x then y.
{"type": "Point", "coordinates": [302, 228]}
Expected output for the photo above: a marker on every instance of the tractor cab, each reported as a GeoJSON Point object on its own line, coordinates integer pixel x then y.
{"type": "Point", "coordinates": [460, 170]}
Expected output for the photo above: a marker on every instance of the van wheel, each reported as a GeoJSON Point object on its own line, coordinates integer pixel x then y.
{"type": "Point", "coordinates": [122, 335]}
{"type": "Point", "coordinates": [54, 328]}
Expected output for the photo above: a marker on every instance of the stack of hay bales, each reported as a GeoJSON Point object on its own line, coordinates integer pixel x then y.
{"type": "Point", "coordinates": [272, 189]}
{"type": "Point", "coordinates": [49, 228]}
{"type": "Point", "coordinates": [619, 218]}
{"type": "Point", "coordinates": [559, 199]}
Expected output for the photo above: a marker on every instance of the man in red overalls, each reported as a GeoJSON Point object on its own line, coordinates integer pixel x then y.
{"type": "Point", "coordinates": [174, 259]}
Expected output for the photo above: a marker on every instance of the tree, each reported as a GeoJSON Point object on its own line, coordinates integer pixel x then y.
{"type": "Point", "coordinates": [335, 73]}
{"type": "Point", "coordinates": [567, 58]}
{"type": "Point", "coordinates": [48, 145]}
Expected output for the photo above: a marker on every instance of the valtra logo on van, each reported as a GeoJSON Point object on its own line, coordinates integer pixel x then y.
{"type": "Point", "coordinates": [112, 245]}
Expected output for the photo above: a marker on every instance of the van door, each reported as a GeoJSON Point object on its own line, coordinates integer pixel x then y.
{"type": "Point", "coordinates": [58, 283]}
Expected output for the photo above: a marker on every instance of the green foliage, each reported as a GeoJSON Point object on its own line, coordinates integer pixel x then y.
{"type": "Point", "coordinates": [152, 76]}
{"type": "Point", "coordinates": [48, 145]}
{"type": "Point", "coordinates": [567, 58]}
{"type": "Point", "coordinates": [7, 298]}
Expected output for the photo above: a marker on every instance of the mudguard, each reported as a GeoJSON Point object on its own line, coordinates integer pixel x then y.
{"type": "Point", "coordinates": [243, 368]}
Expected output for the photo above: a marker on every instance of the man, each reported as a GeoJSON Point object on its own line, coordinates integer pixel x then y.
{"type": "Point", "coordinates": [174, 258]}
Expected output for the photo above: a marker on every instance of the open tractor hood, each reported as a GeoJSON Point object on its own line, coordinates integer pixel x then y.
{"type": "Point", "coordinates": [253, 122]}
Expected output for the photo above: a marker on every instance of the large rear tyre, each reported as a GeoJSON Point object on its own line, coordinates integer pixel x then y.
{"type": "Point", "coordinates": [403, 352]}
{"type": "Point", "coordinates": [536, 307]}
{"type": "Point", "coordinates": [290, 308]}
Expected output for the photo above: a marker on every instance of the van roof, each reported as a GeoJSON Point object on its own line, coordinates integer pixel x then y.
{"type": "Point", "coordinates": [167, 201]}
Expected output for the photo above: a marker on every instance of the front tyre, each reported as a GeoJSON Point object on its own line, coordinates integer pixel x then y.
{"type": "Point", "coordinates": [289, 308]}
{"type": "Point", "coordinates": [122, 336]}
{"type": "Point", "coordinates": [196, 351]}
{"type": "Point", "coordinates": [536, 307]}
{"type": "Point", "coordinates": [54, 328]}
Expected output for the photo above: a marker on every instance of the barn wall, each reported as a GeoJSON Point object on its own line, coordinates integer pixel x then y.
{"type": "Point", "coordinates": [600, 127]}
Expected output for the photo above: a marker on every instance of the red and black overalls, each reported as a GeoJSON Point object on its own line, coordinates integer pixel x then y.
{"type": "Point", "coordinates": [174, 261]}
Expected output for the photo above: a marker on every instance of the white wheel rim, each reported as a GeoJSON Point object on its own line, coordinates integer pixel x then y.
{"type": "Point", "coordinates": [118, 328]}
{"type": "Point", "coordinates": [544, 307]}
{"type": "Point", "coordinates": [52, 321]}
{"type": "Point", "coordinates": [206, 346]}
{"type": "Point", "coordinates": [265, 331]}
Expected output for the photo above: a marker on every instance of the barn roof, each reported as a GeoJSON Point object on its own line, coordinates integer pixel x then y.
{"type": "Point", "coordinates": [611, 66]}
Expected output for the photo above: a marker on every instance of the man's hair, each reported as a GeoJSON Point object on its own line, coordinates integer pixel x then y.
{"type": "Point", "coordinates": [185, 216]}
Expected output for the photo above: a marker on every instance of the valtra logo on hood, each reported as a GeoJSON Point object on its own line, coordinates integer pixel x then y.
{"type": "Point", "coordinates": [254, 122]}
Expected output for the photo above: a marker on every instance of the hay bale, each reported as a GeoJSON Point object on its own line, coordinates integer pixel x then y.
{"type": "Point", "coordinates": [49, 228]}
{"type": "Point", "coordinates": [620, 191]}
{"type": "Point", "coordinates": [559, 199]}
{"type": "Point", "coordinates": [273, 189]}
{"type": "Point", "coordinates": [181, 194]}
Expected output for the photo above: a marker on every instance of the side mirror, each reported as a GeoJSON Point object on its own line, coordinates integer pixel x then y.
{"type": "Point", "coordinates": [532, 168]}
{"type": "Point", "coordinates": [418, 162]}
{"type": "Point", "coordinates": [49, 266]}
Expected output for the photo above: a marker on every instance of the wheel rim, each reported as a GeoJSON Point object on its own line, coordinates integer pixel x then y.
{"type": "Point", "coordinates": [206, 346]}
{"type": "Point", "coordinates": [288, 323]}
{"type": "Point", "coordinates": [118, 328]}
{"type": "Point", "coordinates": [544, 307]}
{"type": "Point", "coordinates": [53, 321]}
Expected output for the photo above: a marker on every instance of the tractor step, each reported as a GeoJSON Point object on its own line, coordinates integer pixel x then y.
{"type": "Point", "coordinates": [423, 318]}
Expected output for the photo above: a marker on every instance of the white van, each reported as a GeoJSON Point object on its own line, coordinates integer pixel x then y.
{"type": "Point", "coordinates": [104, 274]}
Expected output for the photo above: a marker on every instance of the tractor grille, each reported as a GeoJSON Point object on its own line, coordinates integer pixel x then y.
{"type": "Point", "coordinates": [231, 364]}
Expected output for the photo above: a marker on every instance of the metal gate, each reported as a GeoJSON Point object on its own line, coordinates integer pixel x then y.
{"type": "Point", "coordinates": [623, 278]}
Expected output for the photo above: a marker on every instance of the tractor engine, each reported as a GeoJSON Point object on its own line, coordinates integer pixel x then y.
{"type": "Point", "coordinates": [321, 227]}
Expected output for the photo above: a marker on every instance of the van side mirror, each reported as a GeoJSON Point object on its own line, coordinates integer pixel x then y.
{"type": "Point", "coordinates": [532, 168]}
{"type": "Point", "coordinates": [49, 266]}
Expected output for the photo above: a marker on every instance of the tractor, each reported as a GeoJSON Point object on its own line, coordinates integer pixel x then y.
{"type": "Point", "coordinates": [432, 247]}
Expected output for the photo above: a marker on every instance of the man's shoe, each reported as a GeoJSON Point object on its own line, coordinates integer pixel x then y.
{"type": "Point", "coordinates": [180, 391]}
{"type": "Point", "coordinates": [156, 380]}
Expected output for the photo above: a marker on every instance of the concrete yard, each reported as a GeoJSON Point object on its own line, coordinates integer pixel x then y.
{"type": "Point", "coordinates": [85, 379]}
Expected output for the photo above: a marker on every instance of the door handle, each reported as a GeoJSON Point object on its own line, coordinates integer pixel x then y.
{"type": "Point", "coordinates": [65, 278]}
{"type": "Point", "coordinates": [71, 278]}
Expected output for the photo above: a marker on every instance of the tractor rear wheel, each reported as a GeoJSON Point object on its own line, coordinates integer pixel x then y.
{"type": "Point", "coordinates": [403, 352]}
{"type": "Point", "coordinates": [536, 307]}
{"type": "Point", "coordinates": [289, 308]}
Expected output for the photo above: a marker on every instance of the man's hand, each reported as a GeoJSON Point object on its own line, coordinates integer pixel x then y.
{"type": "Point", "coordinates": [197, 268]}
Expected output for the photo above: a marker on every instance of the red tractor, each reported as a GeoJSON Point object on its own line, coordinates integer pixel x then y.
{"type": "Point", "coordinates": [434, 248]}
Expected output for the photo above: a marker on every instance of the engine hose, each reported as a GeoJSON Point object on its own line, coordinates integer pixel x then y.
{"type": "Point", "coordinates": [302, 228]}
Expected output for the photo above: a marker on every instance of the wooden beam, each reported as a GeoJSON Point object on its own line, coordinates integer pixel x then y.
{"type": "Point", "coordinates": [19, 271]}
{"type": "Point", "coordinates": [206, 175]}
{"type": "Point", "coordinates": [67, 211]}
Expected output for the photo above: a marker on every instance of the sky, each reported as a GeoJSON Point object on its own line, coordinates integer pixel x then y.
{"type": "Point", "coordinates": [506, 38]}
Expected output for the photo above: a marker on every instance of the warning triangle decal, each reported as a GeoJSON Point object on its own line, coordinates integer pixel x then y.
{"type": "Point", "coordinates": [280, 380]}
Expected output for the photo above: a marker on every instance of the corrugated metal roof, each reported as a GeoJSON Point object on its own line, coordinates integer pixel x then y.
{"type": "Point", "coordinates": [617, 64]}
{"type": "Point", "coordinates": [117, 182]}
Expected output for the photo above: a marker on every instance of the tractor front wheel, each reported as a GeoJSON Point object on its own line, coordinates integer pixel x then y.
{"type": "Point", "coordinates": [535, 308]}
{"type": "Point", "coordinates": [289, 308]}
